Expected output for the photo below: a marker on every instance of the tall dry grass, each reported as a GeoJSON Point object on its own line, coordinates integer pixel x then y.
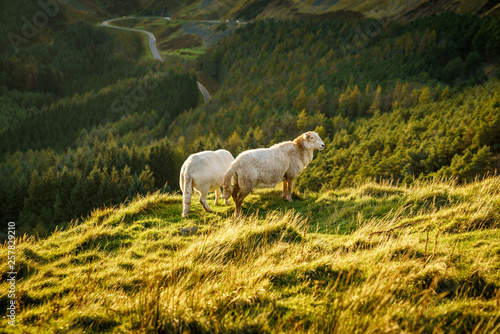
{"type": "Point", "coordinates": [375, 258]}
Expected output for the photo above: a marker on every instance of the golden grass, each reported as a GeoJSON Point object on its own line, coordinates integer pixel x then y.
{"type": "Point", "coordinates": [375, 258]}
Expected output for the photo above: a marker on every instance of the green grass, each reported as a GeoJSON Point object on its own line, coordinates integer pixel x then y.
{"type": "Point", "coordinates": [374, 258]}
{"type": "Point", "coordinates": [172, 40]}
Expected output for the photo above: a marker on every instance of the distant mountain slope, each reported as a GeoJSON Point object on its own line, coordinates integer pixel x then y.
{"type": "Point", "coordinates": [145, 7]}
{"type": "Point", "coordinates": [399, 9]}
{"type": "Point", "coordinates": [25, 23]}
{"type": "Point", "coordinates": [13, 12]}
{"type": "Point", "coordinates": [283, 9]}
{"type": "Point", "coordinates": [73, 10]}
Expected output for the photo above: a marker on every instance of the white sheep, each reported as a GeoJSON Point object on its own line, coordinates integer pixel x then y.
{"type": "Point", "coordinates": [266, 167]}
{"type": "Point", "coordinates": [203, 171]}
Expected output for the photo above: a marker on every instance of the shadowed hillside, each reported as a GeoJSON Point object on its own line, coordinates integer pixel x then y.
{"type": "Point", "coordinates": [300, 9]}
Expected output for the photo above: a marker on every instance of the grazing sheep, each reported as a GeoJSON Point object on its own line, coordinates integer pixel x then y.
{"type": "Point", "coordinates": [266, 167]}
{"type": "Point", "coordinates": [203, 171]}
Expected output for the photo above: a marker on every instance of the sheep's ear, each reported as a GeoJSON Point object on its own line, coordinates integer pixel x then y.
{"type": "Point", "coordinates": [307, 135]}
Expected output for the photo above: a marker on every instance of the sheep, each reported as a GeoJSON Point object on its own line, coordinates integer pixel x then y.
{"type": "Point", "coordinates": [203, 171]}
{"type": "Point", "coordinates": [266, 167]}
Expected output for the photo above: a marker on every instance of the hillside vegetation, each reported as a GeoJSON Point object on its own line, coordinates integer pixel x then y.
{"type": "Point", "coordinates": [376, 257]}
{"type": "Point", "coordinates": [82, 124]}
{"type": "Point", "coordinates": [100, 122]}
{"type": "Point", "coordinates": [179, 38]}
{"type": "Point", "coordinates": [27, 23]}
{"type": "Point", "coordinates": [299, 9]}
{"type": "Point", "coordinates": [393, 101]}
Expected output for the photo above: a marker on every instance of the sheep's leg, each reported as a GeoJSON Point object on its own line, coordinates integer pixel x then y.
{"type": "Point", "coordinates": [239, 201]}
{"type": "Point", "coordinates": [203, 198]}
{"type": "Point", "coordinates": [217, 194]}
{"type": "Point", "coordinates": [234, 195]}
{"type": "Point", "coordinates": [186, 201]}
{"type": "Point", "coordinates": [226, 200]}
{"type": "Point", "coordinates": [288, 195]}
{"type": "Point", "coordinates": [285, 189]}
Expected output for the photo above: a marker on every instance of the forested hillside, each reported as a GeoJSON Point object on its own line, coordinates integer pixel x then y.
{"type": "Point", "coordinates": [86, 121]}
{"type": "Point", "coordinates": [26, 23]}
{"type": "Point", "coordinates": [393, 101]}
{"type": "Point", "coordinates": [82, 125]}
{"type": "Point", "coordinates": [298, 9]}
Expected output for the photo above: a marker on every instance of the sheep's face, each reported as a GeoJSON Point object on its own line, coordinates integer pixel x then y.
{"type": "Point", "coordinates": [313, 141]}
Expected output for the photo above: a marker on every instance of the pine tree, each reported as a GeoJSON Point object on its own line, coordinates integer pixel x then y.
{"type": "Point", "coordinates": [300, 101]}
{"type": "Point", "coordinates": [425, 96]}
{"type": "Point", "coordinates": [303, 120]}
{"type": "Point", "coordinates": [136, 188]}
{"type": "Point", "coordinates": [249, 142]}
{"type": "Point", "coordinates": [445, 94]}
{"type": "Point", "coordinates": [162, 165]}
{"type": "Point", "coordinates": [234, 142]}
{"type": "Point", "coordinates": [259, 136]}
{"type": "Point", "coordinates": [375, 106]}
{"type": "Point", "coordinates": [147, 179]}
{"type": "Point", "coordinates": [321, 94]}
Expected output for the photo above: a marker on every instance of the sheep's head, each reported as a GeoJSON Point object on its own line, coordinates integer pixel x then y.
{"type": "Point", "coordinates": [313, 141]}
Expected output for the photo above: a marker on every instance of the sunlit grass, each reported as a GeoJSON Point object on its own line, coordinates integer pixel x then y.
{"type": "Point", "coordinates": [377, 257]}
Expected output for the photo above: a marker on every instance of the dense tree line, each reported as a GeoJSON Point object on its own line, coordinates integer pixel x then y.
{"type": "Point", "coordinates": [82, 125]}
{"type": "Point", "coordinates": [43, 79]}
{"type": "Point", "coordinates": [80, 51]}
{"type": "Point", "coordinates": [81, 153]}
{"type": "Point", "coordinates": [371, 88]}
{"type": "Point", "coordinates": [57, 126]}
{"type": "Point", "coordinates": [65, 187]}
{"type": "Point", "coordinates": [456, 136]}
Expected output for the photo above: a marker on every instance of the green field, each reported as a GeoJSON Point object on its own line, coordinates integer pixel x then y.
{"type": "Point", "coordinates": [368, 259]}
{"type": "Point", "coordinates": [178, 38]}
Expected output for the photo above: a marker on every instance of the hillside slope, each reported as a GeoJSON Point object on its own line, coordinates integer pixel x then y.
{"type": "Point", "coordinates": [287, 9]}
{"type": "Point", "coordinates": [26, 23]}
{"type": "Point", "coordinates": [394, 101]}
{"type": "Point", "coordinates": [71, 94]}
{"type": "Point", "coordinates": [377, 257]}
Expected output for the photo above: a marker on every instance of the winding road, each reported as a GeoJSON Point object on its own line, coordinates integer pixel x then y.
{"type": "Point", "coordinates": [153, 48]}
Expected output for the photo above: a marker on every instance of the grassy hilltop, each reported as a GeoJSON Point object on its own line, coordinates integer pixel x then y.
{"type": "Point", "coordinates": [373, 258]}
